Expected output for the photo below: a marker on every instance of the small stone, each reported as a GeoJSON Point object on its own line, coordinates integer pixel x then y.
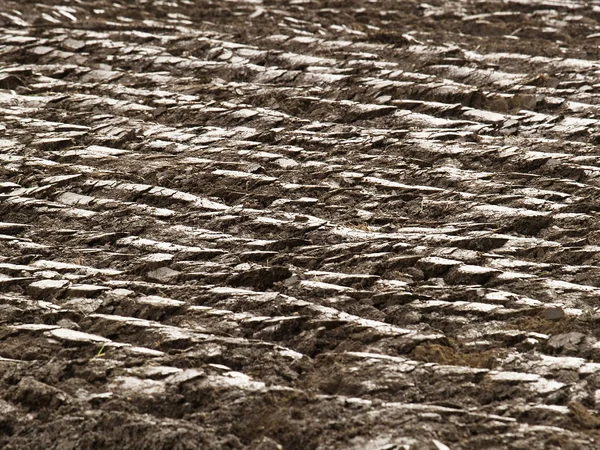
{"type": "Point", "coordinates": [566, 343]}
{"type": "Point", "coordinates": [163, 275]}
{"type": "Point", "coordinates": [553, 313]}
{"type": "Point", "coordinates": [155, 261]}
{"type": "Point", "coordinates": [46, 287]}
{"type": "Point", "coordinates": [73, 44]}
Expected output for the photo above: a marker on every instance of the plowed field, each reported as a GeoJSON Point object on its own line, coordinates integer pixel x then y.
{"type": "Point", "coordinates": [300, 225]}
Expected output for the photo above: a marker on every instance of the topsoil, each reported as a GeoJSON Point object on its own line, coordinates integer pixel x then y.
{"type": "Point", "coordinates": [306, 224]}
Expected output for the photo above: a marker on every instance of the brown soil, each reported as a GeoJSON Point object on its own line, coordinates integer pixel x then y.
{"type": "Point", "coordinates": [315, 224]}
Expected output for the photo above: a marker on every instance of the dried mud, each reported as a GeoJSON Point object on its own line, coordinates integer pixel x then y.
{"type": "Point", "coordinates": [299, 225]}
